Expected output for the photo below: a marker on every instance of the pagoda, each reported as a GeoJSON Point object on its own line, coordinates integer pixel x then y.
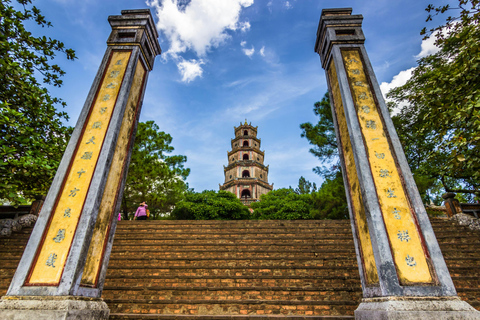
{"type": "Point", "coordinates": [246, 176]}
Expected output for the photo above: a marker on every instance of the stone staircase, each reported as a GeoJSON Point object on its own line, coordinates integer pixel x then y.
{"type": "Point", "coordinates": [246, 269]}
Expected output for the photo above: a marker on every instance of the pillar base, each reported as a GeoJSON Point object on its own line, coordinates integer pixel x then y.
{"type": "Point", "coordinates": [52, 308]}
{"type": "Point", "coordinates": [415, 308]}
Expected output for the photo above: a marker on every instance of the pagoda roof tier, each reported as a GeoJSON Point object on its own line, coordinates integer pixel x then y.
{"type": "Point", "coordinates": [246, 149]}
{"type": "Point", "coordinates": [244, 126]}
{"type": "Point", "coordinates": [245, 163]}
{"type": "Point", "coordinates": [246, 137]}
{"type": "Point", "coordinates": [246, 181]}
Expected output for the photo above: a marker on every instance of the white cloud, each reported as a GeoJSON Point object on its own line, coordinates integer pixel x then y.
{"type": "Point", "coordinates": [244, 26]}
{"type": "Point", "coordinates": [190, 69]}
{"type": "Point", "coordinates": [199, 26]}
{"type": "Point", "coordinates": [243, 43]}
{"type": "Point", "coordinates": [262, 51]}
{"type": "Point", "coordinates": [398, 80]}
{"type": "Point", "coordinates": [288, 5]}
{"type": "Point", "coordinates": [428, 47]}
{"type": "Point", "coordinates": [249, 52]}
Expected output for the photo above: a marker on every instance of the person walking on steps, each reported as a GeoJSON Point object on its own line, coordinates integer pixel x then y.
{"type": "Point", "coordinates": [141, 213]}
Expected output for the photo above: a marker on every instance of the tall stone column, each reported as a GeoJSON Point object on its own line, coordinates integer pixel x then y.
{"type": "Point", "coordinates": [402, 270]}
{"type": "Point", "coordinates": [62, 271]}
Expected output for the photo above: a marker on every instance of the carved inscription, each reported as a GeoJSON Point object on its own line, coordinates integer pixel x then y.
{"type": "Point", "coordinates": [403, 234]}
{"type": "Point", "coordinates": [52, 255]}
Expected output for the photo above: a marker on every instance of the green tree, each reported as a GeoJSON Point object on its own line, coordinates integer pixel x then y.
{"type": "Point", "coordinates": [153, 175]}
{"type": "Point", "coordinates": [418, 145]}
{"type": "Point", "coordinates": [283, 204]}
{"type": "Point", "coordinates": [305, 186]}
{"type": "Point", "coordinates": [322, 137]}
{"type": "Point", "coordinates": [211, 205]}
{"type": "Point", "coordinates": [330, 201]}
{"type": "Point", "coordinates": [33, 136]}
{"type": "Point", "coordinates": [441, 122]}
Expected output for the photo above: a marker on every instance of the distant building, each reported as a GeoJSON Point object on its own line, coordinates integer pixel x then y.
{"type": "Point", "coordinates": [246, 176]}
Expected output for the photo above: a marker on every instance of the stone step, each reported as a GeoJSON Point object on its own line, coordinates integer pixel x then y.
{"type": "Point", "coordinates": [232, 307]}
{"type": "Point", "coordinates": [232, 294]}
{"type": "Point", "coordinates": [233, 247]}
{"type": "Point", "coordinates": [233, 281]}
{"type": "Point", "coordinates": [182, 253]}
{"type": "Point", "coordinates": [127, 316]}
{"type": "Point", "coordinates": [284, 271]}
{"type": "Point", "coordinates": [252, 223]}
{"type": "Point", "coordinates": [233, 237]}
{"type": "Point", "coordinates": [257, 242]}
{"type": "Point", "coordinates": [237, 262]}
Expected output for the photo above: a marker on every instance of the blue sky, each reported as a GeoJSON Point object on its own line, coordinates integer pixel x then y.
{"type": "Point", "coordinates": [225, 61]}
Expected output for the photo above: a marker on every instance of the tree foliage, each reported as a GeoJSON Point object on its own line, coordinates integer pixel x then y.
{"type": "Point", "coordinates": [283, 204]}
{"type": "Point", "coordinates": [33, 136]}
{"type": "Point", "coordinates": [440, 126]}
{"type": "Point", "coordinates": [305, 186]}
{"type": "Point", "coordinates": [322, 137]}
{"type": "Point", "coordinates": [153, 175]}
{"type": "Point", "coordinates": [330, 201]}
{"type": "Point", "coordinates": [304, 202]}
{"type": "Point", "coordinates": [211, 205]}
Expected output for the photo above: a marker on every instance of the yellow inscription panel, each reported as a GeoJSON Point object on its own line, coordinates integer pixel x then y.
{"type": "Point", "coordinates": [100, 233]}
{"type": "Point", "coordinates": [369, 266]}
{"type": "Point", "coordinates": [52, 256]}
{"type": "Point", "coordinates": [408, 253]}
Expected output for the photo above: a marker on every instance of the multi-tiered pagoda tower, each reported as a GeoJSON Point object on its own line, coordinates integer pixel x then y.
{"type": "Point", "coordinates": [246, 176]}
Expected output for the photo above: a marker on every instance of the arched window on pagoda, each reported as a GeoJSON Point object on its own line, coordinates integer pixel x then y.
{"type": "Point", "coordinates": [245, 156]}
{"type": "Point", "coordinates": [246, 174]}
{"type": "Point", "coordinates": [245, 133]}
{"type": "Point", "coordinates": [245, 143]}
{"type": "Point", "coordinates": [246, 194]}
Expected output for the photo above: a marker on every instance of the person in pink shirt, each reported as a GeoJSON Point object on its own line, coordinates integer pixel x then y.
{"type": "Point", "coordinates": [141, 213]}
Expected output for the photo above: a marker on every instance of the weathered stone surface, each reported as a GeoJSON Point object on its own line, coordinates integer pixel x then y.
{"type": "Point", "coordinates": [53, 308]}
{"type": "Point", "coordinates": [5, 232]}
{"type": "Point", "coordinates": [7, 226]}
{"type": "Point", "coordinates": [467, 221]}
{"type": "Point", "coordinates": [27, 220]}
{"type": "Point", "coordinates": [416, 308]}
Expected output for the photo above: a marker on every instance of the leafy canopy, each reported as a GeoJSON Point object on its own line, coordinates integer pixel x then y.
{"type": "Point", "coordinates": [304, 202]}
{"type": "Point", "coordinates": [305, 186]}
{"type": "Point", "coordinates": [211, 205]}
{"type": "Point", "coordinates": [322, 137]}
{"type": "Point", "coordinates": [33, 136]}
{"type": "Point", "coordinates": [330, 201]}
{"type": "Point", "coordinates": [153, 175]}
{"type": "Point", "coordinates": [440, 125]}
{"type": "Point", "coordinates": [283, 204]}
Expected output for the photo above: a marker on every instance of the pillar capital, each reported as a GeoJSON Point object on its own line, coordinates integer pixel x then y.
{"type": "Point", "coordinates": [135, 28]}
{"type": "Point", "coordinates": [337, 26]}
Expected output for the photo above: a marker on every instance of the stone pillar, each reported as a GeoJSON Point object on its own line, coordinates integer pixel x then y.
{"type": "Point", "coordinates": [452, 205]}
{"type": "Point", "coordinates": [402, 270]}
{"type": "Point", "coordinates": [62, 271]}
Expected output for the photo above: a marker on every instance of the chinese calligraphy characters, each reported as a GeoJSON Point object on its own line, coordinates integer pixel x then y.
{"type": "Point", "coordinates": [51, 260]}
